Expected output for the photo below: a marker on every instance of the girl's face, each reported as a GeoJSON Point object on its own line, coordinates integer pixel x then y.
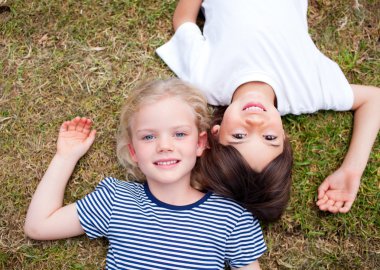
{"type": "Point", "coordinates": [166, 141]}
{"type": "Point", "coordinates": [253, 126]}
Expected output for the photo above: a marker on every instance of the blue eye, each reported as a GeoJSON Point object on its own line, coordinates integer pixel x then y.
{"type": "Point", "coordinates": [148, 137]}
{"type": "Point", "coordinates": [239, 136]}
{"type": "Point", "coordinates": [269, 137]}
{"type": "Point", "coordinates": [180, 134]}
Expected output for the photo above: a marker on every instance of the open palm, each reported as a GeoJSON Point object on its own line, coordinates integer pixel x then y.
{"type": "Point", "coordinates": [75, 137]}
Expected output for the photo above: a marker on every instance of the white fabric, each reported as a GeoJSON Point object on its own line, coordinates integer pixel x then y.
{"type": "Point", "coordinates": [256, 40]}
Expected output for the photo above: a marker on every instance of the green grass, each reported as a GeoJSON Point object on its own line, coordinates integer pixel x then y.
{"type": "Point", "coordinates": [59, 60]}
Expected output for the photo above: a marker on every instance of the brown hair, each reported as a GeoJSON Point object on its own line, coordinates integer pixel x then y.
{"type": "Point", "coordinates": [264, 193]}
{"type": "Point", "coordinates": [149, 92]}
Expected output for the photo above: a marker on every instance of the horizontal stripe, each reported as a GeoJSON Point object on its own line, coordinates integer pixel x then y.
{"type": "Point", "coordinates": [144, 233]}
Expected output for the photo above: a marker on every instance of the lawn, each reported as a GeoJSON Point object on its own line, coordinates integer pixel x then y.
{"type": "Point", "coordinates": [60, 59]}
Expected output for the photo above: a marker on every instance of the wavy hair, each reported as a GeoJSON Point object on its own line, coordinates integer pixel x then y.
{"type": "Point", "coordinates": [150, 92]}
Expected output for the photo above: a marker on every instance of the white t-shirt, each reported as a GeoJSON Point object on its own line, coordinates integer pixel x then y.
{"type": "Point", "coordinates": [256, 40]}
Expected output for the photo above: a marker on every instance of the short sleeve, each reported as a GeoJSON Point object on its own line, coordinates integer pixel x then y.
{"type": "Point", "coordinates": [337, 92]}
{"type": "Point", "coordinates": [245, 243]}
{"type": "Point", "coordinates": [182, 51]}
{"type": "Point", "coordinates": [95, 209]}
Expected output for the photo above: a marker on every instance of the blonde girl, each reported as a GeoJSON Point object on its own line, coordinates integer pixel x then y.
{"type": "Point", "coordinates": [163, 221]}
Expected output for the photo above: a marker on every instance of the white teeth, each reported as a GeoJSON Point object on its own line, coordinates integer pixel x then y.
{"type": "Point", "coordinates": [254, 108]}
{"type": "Point", "coordinates": [165, 163]}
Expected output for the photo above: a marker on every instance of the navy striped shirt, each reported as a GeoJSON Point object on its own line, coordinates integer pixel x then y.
{"type": "Point", "coordinates": [145, 233]}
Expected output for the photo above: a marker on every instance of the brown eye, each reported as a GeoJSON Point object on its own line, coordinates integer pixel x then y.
{"type": "Point", "coordinates": [270, 137]}
{"type": "Point", "coordinates": [239, 136]}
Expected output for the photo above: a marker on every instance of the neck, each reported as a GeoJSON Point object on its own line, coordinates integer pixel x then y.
{"type": "Point", "coordinates": [175, 193]}
{"type": "Point", "coordinates": [261, 87]}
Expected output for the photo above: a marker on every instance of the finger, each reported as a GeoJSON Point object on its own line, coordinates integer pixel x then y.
{"type": "Point", "coordinates": [87, 126]}
{"type": "Point", "coordinates": [91, 137]}
{"type": "Point", "coordinates": [336, 207]}
{"type": "Point", "coordinates": [64, 126]}
{"type": "Point", "coordinates": [73, 123]}
{"type": "Point", "coordinates": [322, 189]}
{"type": "Point", "coordinates": [323, 207]}
{"type": "Point", "coordinates": [330, 202]}
{"type": "Point", "coordinates": [323, 200]}
{"type": "Point", "coordinates": [326, 206]}
{"type": "Point", "coordinates": [332, 209]}
{"type": "Point", "coordinates": [339, 204]}
{"type": "Point", "coordinates": [346, 207]}
{"type": "Point", "coordinates": [81, 123]}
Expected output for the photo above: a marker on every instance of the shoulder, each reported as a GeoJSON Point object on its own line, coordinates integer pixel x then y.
{"type": "Point", "coordinates": [183, 50]}
{"type": "Point", "coordinates": [216, 198]}
{"type": "Point", "coordinates": [114, 182]}
{"type": "Point", "coordinates": [226, 205]}
{"type": "Point", "coordinates": [237, 215]}
{"type": "Point", "coordinates": [114, 185]}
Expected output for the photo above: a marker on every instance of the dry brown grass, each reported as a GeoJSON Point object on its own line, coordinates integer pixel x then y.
{"type": "Point", "coordinates": [59, 60]}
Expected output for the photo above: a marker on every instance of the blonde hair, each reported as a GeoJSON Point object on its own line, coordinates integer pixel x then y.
{"type": "Point", "coordinates": [150, 92]}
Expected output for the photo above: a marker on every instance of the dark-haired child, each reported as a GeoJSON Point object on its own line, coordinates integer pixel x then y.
{"type": "Point", "coordinates": [258, 58]}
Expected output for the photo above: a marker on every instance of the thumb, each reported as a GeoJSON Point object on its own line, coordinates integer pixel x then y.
{"type": "Point", "coordinates": [91, 138]}
{"type": "Point", "coordinates": [323, 188]}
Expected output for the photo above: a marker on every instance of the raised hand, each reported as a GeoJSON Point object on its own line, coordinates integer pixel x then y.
{"type": "Point", "coordinates": [338, 192]}
{"type": "Point", "coordinates": [47, 218]}
{"type": "Point", "coordinates": [75, 138]}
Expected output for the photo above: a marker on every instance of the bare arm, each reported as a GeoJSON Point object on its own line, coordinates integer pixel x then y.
{"type": "Point", "coordinates": [338, 191]}
{"type": "Point", "coordinates": [252, 266]}
{"type": "Point", "coordinates": [46, 218]}
{"type": "Point", "coordinates": [366, 126]}
{"type": "Point", "coordinates": [186, 11]}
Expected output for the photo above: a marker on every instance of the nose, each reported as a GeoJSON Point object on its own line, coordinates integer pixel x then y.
{"type": "Point", "coordinates": [254, 120]}
{"type": "Point", "coordinates": [165, 144]}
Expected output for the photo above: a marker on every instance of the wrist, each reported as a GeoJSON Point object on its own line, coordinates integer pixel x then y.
{"type": "Point", "coordinates": [64, 158]}
{"type": "Point", "coordinates": [352, 171]}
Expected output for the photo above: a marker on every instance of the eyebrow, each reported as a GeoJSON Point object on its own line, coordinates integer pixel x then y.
{"type": "Point", "coordinates": [241, 142]}
{"type": "Point", "coordinates": [145, 130]}
{"type": "Point", "coordinates": [173, 128]}
{"type": "Point", "coordinates": [275, 145]}
{"type": "Point", "coordinates": [238, 142]}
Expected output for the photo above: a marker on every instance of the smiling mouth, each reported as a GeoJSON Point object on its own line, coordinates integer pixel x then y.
{"type": "Point", "coordinates": [254, 107]}
{"type": "Point", "coordinates": [166, 162]}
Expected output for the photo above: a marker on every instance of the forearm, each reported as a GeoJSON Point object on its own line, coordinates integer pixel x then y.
{"type": "Point", "coordinates": [366, 127]}
{"type": "Point", "coordinates": [49, 194]}
{"type": "Point", "coordinates": [47, 218]}
{"type": "Point", "coordinates": [186, 11]}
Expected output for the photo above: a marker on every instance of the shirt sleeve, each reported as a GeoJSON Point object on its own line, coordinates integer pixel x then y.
{"type": "Point", "coordinates": [246, 243]}
{"type": "Point", "coordinates": [337, 92]}
{"type": "Point", "coordinates": [95, 209]}
{"type": "Point", "coordinates": [182, 51]}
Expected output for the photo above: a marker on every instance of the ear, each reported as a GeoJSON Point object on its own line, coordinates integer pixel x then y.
{"type": "Point", "coordinates": [132, 152]}
{"type": "Point", "coordinates": [202, 143]}
{"type": "Point", "coordinates": [215, 130]}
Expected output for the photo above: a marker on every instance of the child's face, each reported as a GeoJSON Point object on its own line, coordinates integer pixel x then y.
{"type": "Point", "coordinates": [253, 126]}
{"type": "Point", "coordinates": [166, 141]}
